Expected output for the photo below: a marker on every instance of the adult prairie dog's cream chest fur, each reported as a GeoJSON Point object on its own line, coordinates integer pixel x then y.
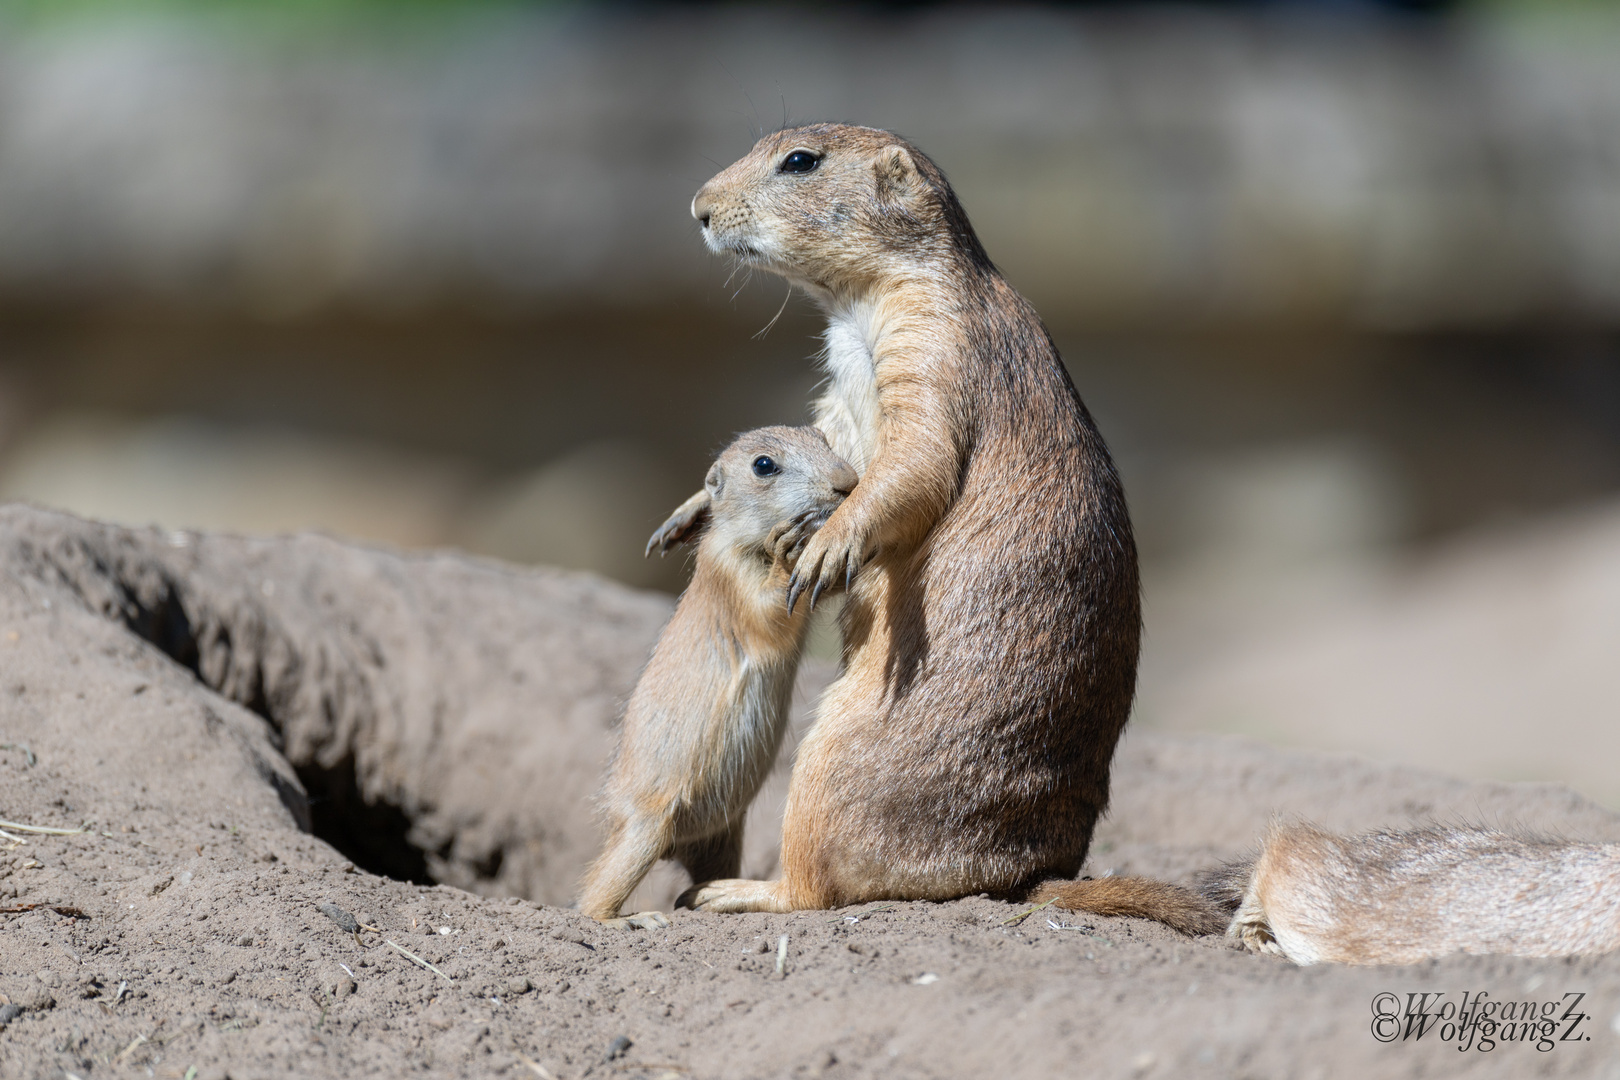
{"type": "Point", "coordinates": [848, 411]}
{"type": "Point", "coordinates": [704, 724]}
{"type": "Point", "coordinates": [992, 623]}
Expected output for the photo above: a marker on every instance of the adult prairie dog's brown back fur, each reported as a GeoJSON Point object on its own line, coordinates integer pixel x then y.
{"type": "Point", "coordinates": [704, 724]}
{"type": "Point", "coordinates": [992, 623]}
{"type": "Point", "coordinates": [1397, 897]}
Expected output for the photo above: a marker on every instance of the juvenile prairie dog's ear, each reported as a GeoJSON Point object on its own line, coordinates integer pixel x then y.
{"type": "Point", "coordinates": [715, 482]}
{"type": "Point", "coordinates": [897, 176]}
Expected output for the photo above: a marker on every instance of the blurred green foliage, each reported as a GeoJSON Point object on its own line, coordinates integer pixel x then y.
{"type": "Point", "coordinates": [287, 12]}
{"type": "Point", "coordinates": [329, 15]}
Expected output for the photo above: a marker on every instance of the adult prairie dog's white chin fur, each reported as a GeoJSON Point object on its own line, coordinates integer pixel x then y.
{"type": "Point", "coordinates": [1397, 897]}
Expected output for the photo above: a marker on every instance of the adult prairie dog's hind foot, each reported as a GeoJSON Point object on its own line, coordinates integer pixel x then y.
{"type": "Point", "coordinates": [1251, 928]}
{"type": "Point", "coordinates": [641, 920]}
{"type": "Point", "coordinates": [730, 896]}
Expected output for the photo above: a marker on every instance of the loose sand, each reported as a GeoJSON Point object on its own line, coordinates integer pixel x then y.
{"type": "Point", "coordinates": [201, 700]}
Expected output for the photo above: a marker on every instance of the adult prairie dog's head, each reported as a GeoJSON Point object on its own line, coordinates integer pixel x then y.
{"type": "Point", "coordinates": [836, 208]}
{"type": "Point", "coordinates": [768, 476]}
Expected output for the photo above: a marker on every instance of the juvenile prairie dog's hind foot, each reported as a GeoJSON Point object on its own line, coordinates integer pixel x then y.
{"type": "Point", "coordinates": [730, 896]}
{"type": "Point", "coordinates": [641, 920]}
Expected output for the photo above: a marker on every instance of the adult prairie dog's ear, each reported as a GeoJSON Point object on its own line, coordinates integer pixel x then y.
{"type": "Point", "coordinates": [715, 482]}
{"type": "Point", "coordinates": [897, 176]}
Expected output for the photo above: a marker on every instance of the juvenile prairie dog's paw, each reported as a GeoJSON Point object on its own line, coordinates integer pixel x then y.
{"type": "Point", "coordinates": [680, 526]}
{"type": "Point", "coordinates": [786, 541]}
{"type": "Point", "coordinates": [729, 896]}
{"type": "Point", "coordinates": [829, 559]}
{"type": "Point", "coordinates": [641, 920]}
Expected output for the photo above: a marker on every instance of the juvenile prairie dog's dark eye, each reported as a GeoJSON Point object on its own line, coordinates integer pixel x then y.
{"type": "Point", "coordinates": [764, 466]}
{"type": "Point", "coordinates": [800, 161]}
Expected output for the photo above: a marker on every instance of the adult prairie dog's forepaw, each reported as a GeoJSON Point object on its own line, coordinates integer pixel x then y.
{"type": "Point", "coordinates": [729, 896]}
{"type": "Point", "coordinates": [829, 560]}
{"type": "Point", "coordinates": [641, 920]}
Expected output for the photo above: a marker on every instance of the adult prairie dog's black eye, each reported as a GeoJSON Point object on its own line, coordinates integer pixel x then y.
{"type": "Point", "coordinates": [764, 466]}
{"type": "Point", "coordinates": [800, 161]}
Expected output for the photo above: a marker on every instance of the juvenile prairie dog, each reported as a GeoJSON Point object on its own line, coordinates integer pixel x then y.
{"type": "Point", "coordinates": [703, 726]}
{"type": "Point", "coordinates": [1397, 897]}
{"type": "Point", "coordinates": [993, 618]}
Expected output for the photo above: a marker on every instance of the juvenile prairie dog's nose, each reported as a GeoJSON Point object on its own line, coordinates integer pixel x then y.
{"type": "Point", "coordinates": [702, 205]}
{"type": "Point", "coordinates": [844, 480]}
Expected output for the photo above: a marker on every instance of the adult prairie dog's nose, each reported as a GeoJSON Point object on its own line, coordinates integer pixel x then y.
{"type": "Point", "coordinates": [701, 205]}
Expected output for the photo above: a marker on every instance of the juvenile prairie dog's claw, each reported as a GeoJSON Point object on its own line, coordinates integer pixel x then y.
{"type": "Point", "coordinates": [641, 920]}
{"type": "Point", "coordinates": [680, 526]}
{"type": "Point", "coordinates": [786, 541]}
{"type": "Point", "coordinates": [783, 539]}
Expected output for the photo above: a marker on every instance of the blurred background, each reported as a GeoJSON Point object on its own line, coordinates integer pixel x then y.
{"type": "Point", "coordinates": [1341, 282]}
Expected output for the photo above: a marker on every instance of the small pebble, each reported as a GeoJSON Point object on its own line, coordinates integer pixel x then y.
{"type": "Point", "coordinates": [519, 985]}
{"type": "Point", "coordinates": [8, 1013]}
{"type": "Point", "coordinates": [344, 920]}
{"type": "Point", "coordinates": [617, 1048]}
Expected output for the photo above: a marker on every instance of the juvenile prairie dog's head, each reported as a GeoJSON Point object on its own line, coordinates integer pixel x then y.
{"type": "Point", "coordinates": [835, 208]}
{"type": "Point", "coordinates": [768, 476]}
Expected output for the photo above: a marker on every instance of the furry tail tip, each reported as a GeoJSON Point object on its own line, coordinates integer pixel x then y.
{"type": "Point", "coordinates": [1143, 898]}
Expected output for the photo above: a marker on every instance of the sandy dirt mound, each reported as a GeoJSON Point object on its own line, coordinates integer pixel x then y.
{"type": "Point", "coordinates": [203, 702]}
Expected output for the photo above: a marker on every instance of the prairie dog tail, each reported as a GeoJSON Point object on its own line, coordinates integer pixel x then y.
{"type": "Point", "coordinates": [1141, 898]}
{"type": "Point", "coordinates": [1397, 897]}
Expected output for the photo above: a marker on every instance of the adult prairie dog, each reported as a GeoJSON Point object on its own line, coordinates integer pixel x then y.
{"type": "Point", "coordinates": [1397, 897]}
{"type": "Point", "coordinates": [703, 726]}
{"type": "Point", "coordinates": [993, 618]}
